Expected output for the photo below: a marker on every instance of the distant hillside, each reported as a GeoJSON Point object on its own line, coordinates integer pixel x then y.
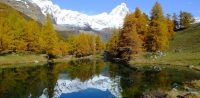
{"type": "Point", "coordinates": [29, 9]}
{"type": "Point", "coordinates": [5, 10]}
{"type": "Point", "coordinates": [187, 40]}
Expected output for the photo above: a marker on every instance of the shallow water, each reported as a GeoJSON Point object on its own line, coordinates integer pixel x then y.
{"type": "Point", "coordinates": [90, 79]}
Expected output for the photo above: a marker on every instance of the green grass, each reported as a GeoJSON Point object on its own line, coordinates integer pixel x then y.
{"type": "Point", "coordinates": [187, 42]}
{"type": "Point", "coordinates": [184, 58]}
{"type": "Point", "coordinates": [21, 59]}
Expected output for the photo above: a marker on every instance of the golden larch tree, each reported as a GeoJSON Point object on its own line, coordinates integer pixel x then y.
{"type": "Point", "coordinates": [129, 39]}
{"type": "Point", "coordinates": [112, 44]}
{"type": "Point", "coordinates": [49, 38]}
{"type": "Point", "coordinates": [157, 37]}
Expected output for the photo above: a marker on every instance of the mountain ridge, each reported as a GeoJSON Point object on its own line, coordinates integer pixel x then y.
{"type": "Point", "coordinates": [114, 19]}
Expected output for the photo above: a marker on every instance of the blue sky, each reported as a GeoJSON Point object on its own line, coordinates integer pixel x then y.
{"type": "Point", "coordinates": [92, 7]}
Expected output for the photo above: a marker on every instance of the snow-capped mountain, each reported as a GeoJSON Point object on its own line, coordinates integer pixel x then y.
{"type": "Point", "coordinates": [75, 18]}
{"type": "Point", "coordinates": [67, 21]}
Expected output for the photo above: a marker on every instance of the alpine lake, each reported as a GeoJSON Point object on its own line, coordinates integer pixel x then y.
{"type": "Point", "coordinates": [93, 79]}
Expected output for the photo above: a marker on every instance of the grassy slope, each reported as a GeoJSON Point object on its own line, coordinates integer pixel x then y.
{"type": "Point", "coordinates": [21, 58]}
{"type": "Point", "coordinates": [187, 42]}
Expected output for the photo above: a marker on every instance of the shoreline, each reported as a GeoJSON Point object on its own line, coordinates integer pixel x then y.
{"type": "Point", "coordinates": [18, 60]}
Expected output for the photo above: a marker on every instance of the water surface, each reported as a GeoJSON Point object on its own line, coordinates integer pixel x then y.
{"type": "Point", "coordinates": [89, 79]}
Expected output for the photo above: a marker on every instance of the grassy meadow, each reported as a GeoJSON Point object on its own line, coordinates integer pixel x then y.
{"type": "Point", "coordinates": [184, 50]}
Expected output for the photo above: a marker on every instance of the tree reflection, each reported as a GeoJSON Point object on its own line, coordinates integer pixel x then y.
{"type": "Point", "coordinates": [84, 69]}
{"type": "Point", "coordinates": [21, 82]}
{"type": "Point", "coordinates": [136, 82]}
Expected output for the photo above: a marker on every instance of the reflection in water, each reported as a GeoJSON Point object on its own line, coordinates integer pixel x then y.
{"type": "Point", "coordinates": [89, 93]}
{"type": "Point", "coordinates": [86, 74]}
{"type": "Point", "coordinates": [88, 78]}
{"type": "Point", "coordinates": [99, 82]}
{"type": "Point", "coordinates": [135, 83]}
{"type": "Point", "coordinates": [23, 82]}
{"type": "Point", "coordinates": [44, 94]}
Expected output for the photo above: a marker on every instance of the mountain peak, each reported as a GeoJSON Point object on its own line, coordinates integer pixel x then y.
{"type": "Point", "coordinates": [120, 10]}
{"type": "Point", "coordinates": [123, 4]}
{"type": "Point", "coordinates": [74, 18]}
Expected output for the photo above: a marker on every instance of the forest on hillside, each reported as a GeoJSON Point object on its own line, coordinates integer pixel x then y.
{"type": "Point", "coordinates": [140, 33]}
{"type": "Point", "coordinates": [19, 34]}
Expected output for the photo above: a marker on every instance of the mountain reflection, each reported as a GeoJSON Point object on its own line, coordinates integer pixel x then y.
{"type": "Point", "coordinates": [89, 78]}
{"type": "Point", "coordinates": [99, 82]}
{"type": "Point", "coordinates": [85, 74]}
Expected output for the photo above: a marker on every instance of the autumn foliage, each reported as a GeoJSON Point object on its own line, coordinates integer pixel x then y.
{"type": "Point", "coordinates": [85, 44]}
{"type": "Point", "coordinates": [141, 33]}
{"type": "Point", "coordinates": [19, 34]}
{"type": "Point", "coordinates": [138, 34]}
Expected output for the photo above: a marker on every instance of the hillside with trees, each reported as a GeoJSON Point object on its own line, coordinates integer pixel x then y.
{"type": "Point", "coordinates": [48, 50]}
{"type": "Point", "coordinates": [18, 33]}
{"type": "Point", "coordinates": [142, 35]}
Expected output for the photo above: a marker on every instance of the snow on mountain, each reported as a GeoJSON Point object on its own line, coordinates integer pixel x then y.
{"type": "Point", "coordinates": [98, 82]}
{"type": "Point", "coordinates": [27, 6]}
{"type": "Point", "coordinates": [75, 18]}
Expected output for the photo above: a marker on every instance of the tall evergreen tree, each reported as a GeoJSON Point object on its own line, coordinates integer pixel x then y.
{"type": "Point", "coordinates": [49, 37]}
{"type": "Point", "coordinates": [63, 47]}
{"type": "Point", "coordinates": [32, 34]}
{"type": "Point", "coordinates": [129, 40]}
{"type": "Point", "coordinates": [71, 40]}
{"type": "Point", "coordinates": [2, 34]}
{"type": "Point", "coordinates": [92, 43]}
{"type": "Point", "coordinates": [99, 44]}
{"type": "Point", "coordinates": [112, 44]}
{"type": "Point", "coordinates": [141, 24]}
{"type": "Point", "coordinates": [157, 38]}
{"type": "Point", "coordinates": [82, 45]}
{"type": "Point", "coordinates": [16, 32]}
